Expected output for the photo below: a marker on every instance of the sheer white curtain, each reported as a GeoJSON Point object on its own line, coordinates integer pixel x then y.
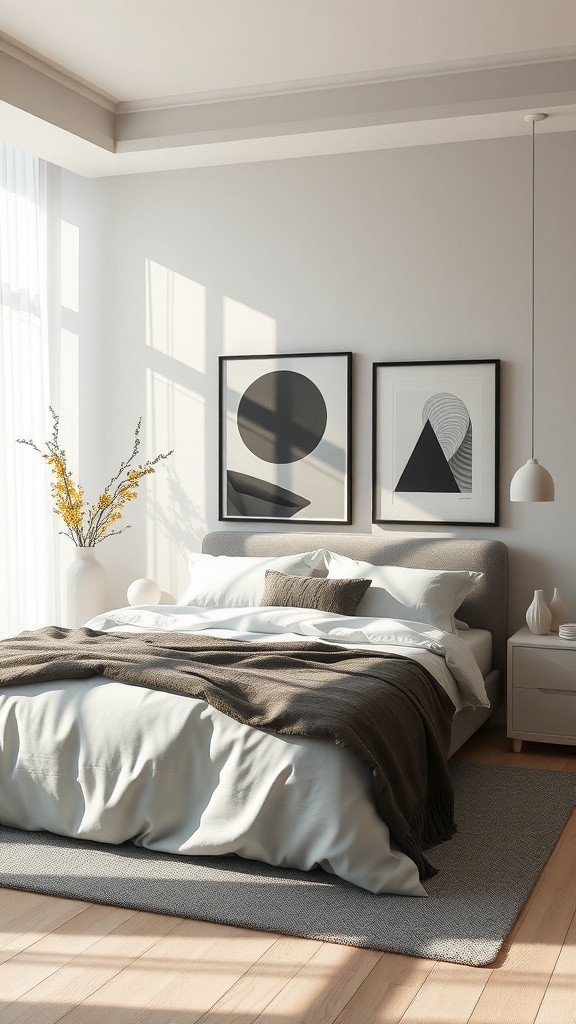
{"type": "Point", "coordinates": [27, 594]}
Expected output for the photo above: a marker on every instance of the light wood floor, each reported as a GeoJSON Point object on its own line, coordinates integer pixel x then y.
{"type": "Point", "coordinates": [66, 960]}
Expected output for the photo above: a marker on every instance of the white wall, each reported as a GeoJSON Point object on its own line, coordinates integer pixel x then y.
{"type": "Point", "coordinates": [421, 253]}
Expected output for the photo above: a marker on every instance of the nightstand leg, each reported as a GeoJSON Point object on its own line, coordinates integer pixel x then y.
{"type": "Point", "coordinates": [516, 746]}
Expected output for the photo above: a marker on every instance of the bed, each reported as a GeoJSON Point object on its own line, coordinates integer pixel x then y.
{"type": "Point", "coordinates": [100, 760]}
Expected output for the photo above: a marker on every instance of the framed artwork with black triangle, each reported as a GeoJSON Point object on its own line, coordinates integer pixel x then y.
{"type": "Point", "coordinates": [435, 443]}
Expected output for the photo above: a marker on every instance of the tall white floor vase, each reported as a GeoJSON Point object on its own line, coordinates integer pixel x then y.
{"type": "Point", "coordinates": [85, 587]}
{"type": "Point", "coordinates": [538, 615]}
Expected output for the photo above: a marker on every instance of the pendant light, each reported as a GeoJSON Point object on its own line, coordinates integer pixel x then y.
{"type": "Point", "coordinates": [532, 482]}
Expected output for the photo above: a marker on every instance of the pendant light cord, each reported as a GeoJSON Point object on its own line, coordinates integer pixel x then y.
{"type": "Point", "coordinates": [532, 482]}
{"type": "Point", "coordinates": [533, 279]}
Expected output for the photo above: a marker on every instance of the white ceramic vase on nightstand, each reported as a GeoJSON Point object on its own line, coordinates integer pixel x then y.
{"type": "Point", "coordinates": [559, 611]}
{"type": "Point", "coordinates": [538, 615]}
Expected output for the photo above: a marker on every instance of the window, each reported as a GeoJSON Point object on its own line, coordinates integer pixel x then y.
{"type": "Point", "coordinates": [26, 528]}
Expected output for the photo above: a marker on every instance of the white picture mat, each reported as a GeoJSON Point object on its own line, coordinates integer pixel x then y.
{"type": "Point", "coordinates": [322, 476]}
{"type": "Point", "coordinates": [401, 392]}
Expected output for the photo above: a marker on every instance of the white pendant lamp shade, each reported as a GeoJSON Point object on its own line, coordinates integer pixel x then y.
{"type": "Point", "coordinates": [532, 483]}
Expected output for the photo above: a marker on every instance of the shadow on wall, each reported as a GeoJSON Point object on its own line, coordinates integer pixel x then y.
{"type": "Point", "coordinates": [174, 523]}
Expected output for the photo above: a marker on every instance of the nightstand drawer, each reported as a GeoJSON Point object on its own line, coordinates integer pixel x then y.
{"type": "Point", "coordinates": [550, 711]}
{"type": "Point", "coordinates": [545, 668]}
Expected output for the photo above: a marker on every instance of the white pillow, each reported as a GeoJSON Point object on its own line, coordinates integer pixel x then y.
{"type": "Point", "coordinates": [397, 592]}
{"type": "Point", "coordinates": [230, 581]}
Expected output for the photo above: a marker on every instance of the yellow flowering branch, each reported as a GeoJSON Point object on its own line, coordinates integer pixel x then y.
{"type": "Point", "coordinates": [88, 525]}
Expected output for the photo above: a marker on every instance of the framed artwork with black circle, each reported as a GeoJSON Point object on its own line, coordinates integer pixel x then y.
{"type": "Point", "coordinates": [285, 438]}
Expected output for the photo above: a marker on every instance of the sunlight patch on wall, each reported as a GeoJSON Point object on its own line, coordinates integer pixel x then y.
{"type": "Point", "coordinates": [175, 419]}
{"type": "Point", "coordinates": [247, 330]}
{"type": "Point", "coordinates": [70, 266]}
{"type": "Point", "coordinates": [68, 406]}
{"type": "Point", "coordinates": [69, 412]}
{"type": "Point", "coordinates": [176, 315]}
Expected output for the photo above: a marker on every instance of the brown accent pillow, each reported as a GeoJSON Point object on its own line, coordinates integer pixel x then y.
{"type": "Point", "coordinates": [340, 596]}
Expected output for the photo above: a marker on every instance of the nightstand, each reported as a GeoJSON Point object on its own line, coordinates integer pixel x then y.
{"type": "Point", "coordinates": [541, 689]}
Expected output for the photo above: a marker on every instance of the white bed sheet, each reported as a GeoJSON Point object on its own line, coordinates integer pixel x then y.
{"type": "Point", "coordinates": [99, 760]}
{"type": "Point", "coordinates": [450, 661]}
{"type": "Point", "coordinates": [479, 641]}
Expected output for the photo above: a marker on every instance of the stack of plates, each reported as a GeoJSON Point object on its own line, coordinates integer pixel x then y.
{"type": "Point", "coordinates": [567, 631]}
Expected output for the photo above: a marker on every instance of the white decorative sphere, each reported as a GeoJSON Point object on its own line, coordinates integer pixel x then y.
{"type": "Point", "coordinates": [144, 592]}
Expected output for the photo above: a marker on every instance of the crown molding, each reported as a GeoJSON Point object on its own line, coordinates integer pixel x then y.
{"type": "Point", "coordinates": [91, 92]}
{"type": "Point", "coordinates": [53, 101]}
{"type": "Point", "coordinates": [358, 105]}
{"type": "Point", "coordinates": [68, 123]}
{"type": "Point", "coordinates": [544, 56]}
{"type": "Point", "coordinates": [56, 73]}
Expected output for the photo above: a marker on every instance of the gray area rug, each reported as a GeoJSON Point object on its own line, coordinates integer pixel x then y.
{"type": "Point", "coordinates": [509, 820]}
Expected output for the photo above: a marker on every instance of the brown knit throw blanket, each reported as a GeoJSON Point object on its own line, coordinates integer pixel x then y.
{"type": "Point", "coordinates": [389, 711]}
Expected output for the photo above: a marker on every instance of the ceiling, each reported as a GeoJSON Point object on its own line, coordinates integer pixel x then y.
{"type": "Point", "coordinates": [118, 86]}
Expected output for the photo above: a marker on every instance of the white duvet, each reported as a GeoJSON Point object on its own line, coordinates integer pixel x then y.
{"type": "Point", "coordinates": [104, 761]}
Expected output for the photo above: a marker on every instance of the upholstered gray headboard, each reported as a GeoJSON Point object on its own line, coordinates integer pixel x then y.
{"type": "Point", "coordinates": [486, 608]}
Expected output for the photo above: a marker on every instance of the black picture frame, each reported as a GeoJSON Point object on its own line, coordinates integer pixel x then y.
{"type": "Point", "coordinates": [285, 438]}
{"type": "Point", "coordinates": [435, 442]}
